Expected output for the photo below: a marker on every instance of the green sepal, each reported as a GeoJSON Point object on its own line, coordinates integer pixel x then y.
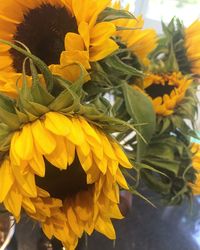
{"type": "Point", "coordinates": [41, 95]}
{"type": "Point", "coordinates": [4, 137]}
{"type": "Point", "coordinates": [31, 117]}
{"type": "Point", "coordinates": [23, 118]}
{"type": "Point", "coordinates": [40, 109]}
{"type": "Point", "coordinates": [7, 103]}
{"type": "Point", "coordinates": [63, 100]}
{"type": "Point", "coordinates": [5, 143]}
{"type": "Point", "coordinates": [27, 107]}
{"type": "Point", "coordinates": [9, 119]}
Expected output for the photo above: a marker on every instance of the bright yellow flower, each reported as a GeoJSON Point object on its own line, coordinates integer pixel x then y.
{"type": "Point", "coordinates": [195, 149]}
{"type": "Point", "coordinates": [140, 41]}
{"type": "Point", "coordinates": [60, 32]}
{"type": "Point", "coordinates": [65, 173]}
{"type": "Point", "coordinates": [192, 40]}
{"type": "Point", "coordinates": [166, 91]}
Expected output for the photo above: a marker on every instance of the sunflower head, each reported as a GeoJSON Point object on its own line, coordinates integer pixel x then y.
{"type": "Point", "coordinates": [59, 32]}
{"type": "Point", "coordinates": [141, 42]}
{"type": "Point", "coordinates": [167, 166]}
{"type": "Point", "coordinates": [166, 91]}
{"type": "Point", "coordinates": [69, 174]}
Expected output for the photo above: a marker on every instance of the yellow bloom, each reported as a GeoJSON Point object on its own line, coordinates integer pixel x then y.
{"type": "Point", "coordinates": [166, 91]}
{"type": "Point", "coordinates": [195, 149]}
{"type": "Point", "coordinates": [140, 41]}
{"type": "Point", "coordinates": [192, 40]}
{"type": "Point", "coordinates": [65, 173]}
{"type": "Point", "coordinates": [60, 32]}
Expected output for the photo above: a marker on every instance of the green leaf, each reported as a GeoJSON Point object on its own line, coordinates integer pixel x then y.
{"type": "Point", "coordinates": [141, 111]}
{"type": "Point", "coordinates": [110, 14]}
{"type": "Point", "coordinates": [117, 65]}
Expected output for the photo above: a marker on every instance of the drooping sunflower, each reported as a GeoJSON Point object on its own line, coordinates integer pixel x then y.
{"type": "Point", "coordinates": [195, 149]}
{"type": "Point", "coordinates": [141, 42]}
{"type": "Point", "coordinates": [166, 91]}
{"type": "Point", "coordinates": [59, 32]}
{"type": "Point", "coordinates": [58, 163]}
{"type": "Point", "coordinates": [78, 167]}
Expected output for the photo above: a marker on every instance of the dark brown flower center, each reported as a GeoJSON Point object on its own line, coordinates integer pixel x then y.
{"type": "Point", "coordinates": [43, 31]}
{"type": "Point", "coordinates": [63, 183]}
{"type": "Point", "coordinates": [159, 90]}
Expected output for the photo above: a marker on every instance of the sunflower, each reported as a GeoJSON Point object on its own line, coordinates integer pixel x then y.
{"type": "Point", "coordinates": [166, 91]}
{"type": "Point", "coordinates": [68, 180]}
{"type": "Point", "coordinates": [195, 149]}
{"type": "Point", "coordinates": [141, 42]}
{"type": "Point", "coordinates": [191, 43]}
{"type": "Point", "coordinates": [57, 162]}
{"type": "Point", "coordinates": [59, 32]}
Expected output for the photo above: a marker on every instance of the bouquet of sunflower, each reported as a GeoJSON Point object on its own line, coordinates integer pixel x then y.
{"type": "Point", "coordinates": [90, 104]}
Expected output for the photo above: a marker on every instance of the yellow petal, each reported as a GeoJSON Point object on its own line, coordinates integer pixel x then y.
{"type": "Point", "coordinates": [57, 123]}
{"type": "Point", "coordinates": [70, 147]}
{"type": "Point", "coordinates": [99, 52]}
{"type": "Point", "coordinates": [72, 220]}
{"type": "Point", "coordinates": [83, 29]}
{"type": "Point", "coordinates": [13, 202]}
{"type": "Point", "coordinates": [26, 183]}
{"type": "Point", "coordinates": [28, 205]}
{"type": "Point", "coordinates": [88, 129]}
{"type": "Point", "coordinates": [121, 180]}
{"type": "Point", "coordinates": [48, 229]}
{"type": "Point", "coordinates": [37, 163]}
{"type": "Point", "coordinates": [121, 156]}
{"type": "Point", "coordinates": [105, 226]}
{"type": "Point", "coordinates": [108, 150]}
{"type": "Point", "coordinates": [43, 138]}
{"type": "Point", "coordinates": [83, 203]}
{"type": "Point", "coordinates": [74, 41]}
{"type": "Point", "coordinates": [59, 157]}
{"type": "Point", "coordinates": [76, 136]}
{"type": "Point", "coordinates": [23, 143]}
{"type": "Point", "coordinates": [101, 32]}
{"type": "Point", "coordinates": [101, 163]}
{"type": "Point", "coordinates": [75, 56]}
{"type": "Point", "coordinates": [6, 179]}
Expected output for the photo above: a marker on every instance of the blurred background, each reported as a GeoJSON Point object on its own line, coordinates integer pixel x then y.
{"type": "Point", "coordinates": [145, 227]}
{"type": "Point", "coordinates": [154, 11]}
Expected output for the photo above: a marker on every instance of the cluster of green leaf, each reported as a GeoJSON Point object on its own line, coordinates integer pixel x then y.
{"type": "Point", "coordinates": [168, 159]}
